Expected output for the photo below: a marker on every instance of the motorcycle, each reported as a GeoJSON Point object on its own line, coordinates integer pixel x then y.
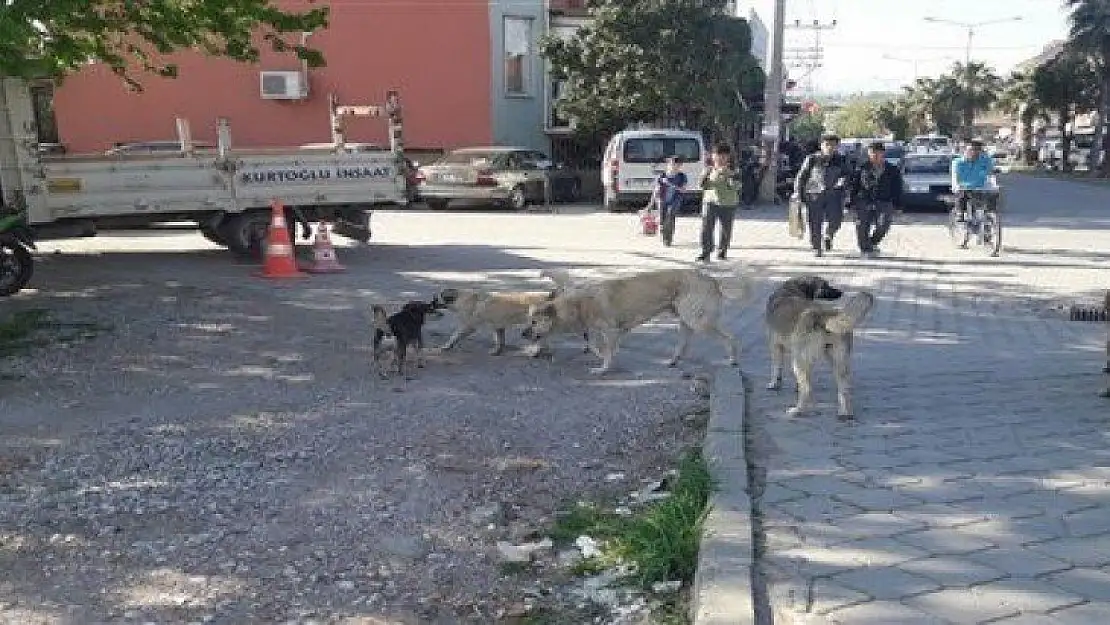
{"type": "Point", "coordinates": [16, 262]}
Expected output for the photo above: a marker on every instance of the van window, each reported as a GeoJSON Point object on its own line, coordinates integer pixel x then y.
{"type": "Point", "coordinates": [658, 149]}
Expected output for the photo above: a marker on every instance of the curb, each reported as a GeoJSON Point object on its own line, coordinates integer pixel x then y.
{"type": "Point", "coordinates": [722, 590]}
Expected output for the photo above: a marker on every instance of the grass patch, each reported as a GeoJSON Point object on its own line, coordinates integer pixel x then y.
{"type": "Point", "coordinates": [26, 329]}
{"type": "Point", "coordinates": [661, 540]}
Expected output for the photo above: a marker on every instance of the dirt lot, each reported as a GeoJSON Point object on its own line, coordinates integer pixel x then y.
{"type": "Point", "coordinates": [190, 443]}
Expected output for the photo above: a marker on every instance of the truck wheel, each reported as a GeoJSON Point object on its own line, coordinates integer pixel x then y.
{"type": "Point", "coordinates": [212, 233]}
{"type": "Point", "coordinates": [245, 233]}
{"type": "Point", "coordinates": [16, 267]}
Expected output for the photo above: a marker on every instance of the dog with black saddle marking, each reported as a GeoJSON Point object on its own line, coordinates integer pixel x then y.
{"type": "Point", "coordinates": [405, 329]}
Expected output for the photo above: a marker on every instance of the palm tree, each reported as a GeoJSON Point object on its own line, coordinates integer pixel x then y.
{"type": "Point", "coordinates": [974, 89]}
{"type": "Point", "coordinates": [1018, 100]}
{"type": "Point", "coordinates": [1090, 31]}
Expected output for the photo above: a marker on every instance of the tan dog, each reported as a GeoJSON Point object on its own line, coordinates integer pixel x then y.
{"type": "Point", "coordinates": [807, 329]}
{"type": "Point", "coordinates": [608, 309]}
{"type": "Point", "coordinates": [481, 309]}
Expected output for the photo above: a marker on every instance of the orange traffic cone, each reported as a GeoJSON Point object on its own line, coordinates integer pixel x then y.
{"type": "Point", "coordinates": [280, 259]}
{"type": "Point", "coordinates": [324, 259]}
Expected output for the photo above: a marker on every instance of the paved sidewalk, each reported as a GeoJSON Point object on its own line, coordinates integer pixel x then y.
{"type": "Point", "coordinates": [975, 486]}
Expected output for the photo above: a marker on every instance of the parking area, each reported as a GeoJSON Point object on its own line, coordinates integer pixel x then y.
{"type": "Point", "coordinates": [191, 443]}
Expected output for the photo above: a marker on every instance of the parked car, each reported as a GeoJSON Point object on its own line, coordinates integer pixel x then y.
{"type": "Point", "coordinates": [894, 154]}
{"type": "Point", "coordinates": [926, 180]}
{"type": "Point", "coordinates": [511, 177]}
{"type": "Point", "coordinates": [153, 147]}
{"type": "Point", "coordinates": [634, 159]}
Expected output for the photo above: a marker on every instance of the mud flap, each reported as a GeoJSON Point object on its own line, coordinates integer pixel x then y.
{"type": "Point", "coordinates": [353, 223]}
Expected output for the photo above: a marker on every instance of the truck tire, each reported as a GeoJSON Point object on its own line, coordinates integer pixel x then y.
{"type": "Point", "coordinates": [212, 233]}
{"type": "Point", "coordinates": [16, 267]}
{"type": "Point", "coordinates": [245, 233]}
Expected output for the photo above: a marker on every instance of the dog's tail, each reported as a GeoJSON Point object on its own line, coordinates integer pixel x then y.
{"type": "Point", "coordinates": [856, 309]}
{"type": "Point", "coordinates": [381, 318]}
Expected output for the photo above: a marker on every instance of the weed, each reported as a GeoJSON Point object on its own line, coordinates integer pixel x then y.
{"type": "Point", "coordinates": [26, 329]}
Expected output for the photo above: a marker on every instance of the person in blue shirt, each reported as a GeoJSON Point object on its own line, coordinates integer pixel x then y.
{"type": "Point", "coordinates": [972, 172]}
{"type": "Point", "coordinates": [669, 188]}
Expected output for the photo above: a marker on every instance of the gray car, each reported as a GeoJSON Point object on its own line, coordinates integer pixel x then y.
{"type": "Point", "coordinates": [926, 181]}
{"type": "Point", "coordinates": [510, 177]}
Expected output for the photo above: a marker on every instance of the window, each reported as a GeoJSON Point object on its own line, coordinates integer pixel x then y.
{"type": "Point", "coordinates": [518, 55]}
{"type": "Point", "coordinates": [658, 149]}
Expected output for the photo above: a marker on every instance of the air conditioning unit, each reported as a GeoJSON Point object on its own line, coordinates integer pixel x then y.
{"type": "Point", "coordinates": [284, 85]}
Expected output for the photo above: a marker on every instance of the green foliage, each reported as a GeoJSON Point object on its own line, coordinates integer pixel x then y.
{"type": "Point", "coordinates": [808, 126]}
{"type": "Point", "coordinates": [650, 61]}
{"type": "Point", "coordinates": [856, 119]}
{"type": "Point", "coordinates": [51, 38]}
{"type": "Point", "coordinates": [893, 117]}
{"type": "Point", "coordinates": [1089, 33]}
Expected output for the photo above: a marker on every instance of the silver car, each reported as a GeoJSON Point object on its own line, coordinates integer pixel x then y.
{"type": "Point", "coordinates": [511, 177]}
{"type": "Point", "coordinates": [926, 180]}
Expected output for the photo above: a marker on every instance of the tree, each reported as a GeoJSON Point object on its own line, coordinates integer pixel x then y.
{"type": "Point", "coordinates": [678, 61]}
{"type": "Point", "coordinates": [973, 88]}
{"type": "Point", "coordinates": [1018, 99]}
{"type": "Point", "coordinates": [1089, 31]}
{"type": "Point", "coordinates": [808, 127]}
{"type": "Point", "coordinates": [1066, 85]}
{"type": "Point", "coordinates": [856, 119]}
{"type": "Point", "coordinates": [893, 116]}
{"type": "Point", "coordinates": [49, 39]}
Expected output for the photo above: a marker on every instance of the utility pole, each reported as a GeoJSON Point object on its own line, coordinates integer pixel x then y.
{"type": "Point", "coordinates": [772, 104]}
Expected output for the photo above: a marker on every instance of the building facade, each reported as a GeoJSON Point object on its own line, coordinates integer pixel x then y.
{"type": "Point", "coordinates": [468, 73]}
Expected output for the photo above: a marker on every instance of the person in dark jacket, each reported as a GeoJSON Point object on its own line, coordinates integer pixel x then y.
{"type": "Point", "coordinates": [876, 191]}
{"type": "Point", "coordinates": [821, 184]}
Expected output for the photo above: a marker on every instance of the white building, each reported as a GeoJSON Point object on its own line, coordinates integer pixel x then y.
{"type": "Point", "coordinates": [761, 38]}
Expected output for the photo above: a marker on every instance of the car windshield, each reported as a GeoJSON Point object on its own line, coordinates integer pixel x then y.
{"type": "Point", "coordinates": [658, 149]}
{"type": "Point", "coordinates": [472, 158]}
{"type": "Point", "coordinates": [928, 165]}
{"type": "Point", "coordinates": [895, 152]}
{"type": "Point", "coordinates": [931, 143]}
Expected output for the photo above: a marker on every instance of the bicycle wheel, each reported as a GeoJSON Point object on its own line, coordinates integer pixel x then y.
{"type": "Point", "coordinates": [992, 232]}
{"type": "Point", "coordinates": [958, 230]}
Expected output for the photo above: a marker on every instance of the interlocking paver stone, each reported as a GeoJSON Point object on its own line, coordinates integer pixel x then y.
{"type": "Point", "coordinates": [979, 462]}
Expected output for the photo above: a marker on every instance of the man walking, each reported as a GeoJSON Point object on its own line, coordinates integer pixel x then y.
{"type": "Point", "coordinates": [720, 195]}
{"type": "Point", "coordinates": [821, 184]}
{"type": "Point", "coordinates": [876, 191]}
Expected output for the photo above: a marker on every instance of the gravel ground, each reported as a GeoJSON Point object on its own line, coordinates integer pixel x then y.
{"type": "Point", "coordinates": [215, 449]}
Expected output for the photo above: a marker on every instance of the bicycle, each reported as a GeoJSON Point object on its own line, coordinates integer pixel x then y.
{"type": "Point", "coordinates": [981, 221]}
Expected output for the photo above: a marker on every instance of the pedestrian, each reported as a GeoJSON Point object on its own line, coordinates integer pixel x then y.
{"type": "Point", "coordinates": [720, 196]}
{"type": "Point", "coordinates": [668, 188]}
{"type": "Point", "coordinates": [820, 185]}
{"type": "Point", "coordinates": [876, 192]}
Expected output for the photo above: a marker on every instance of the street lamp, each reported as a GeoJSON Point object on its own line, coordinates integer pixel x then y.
{"type": "Point", "coordinates": [971, 26]}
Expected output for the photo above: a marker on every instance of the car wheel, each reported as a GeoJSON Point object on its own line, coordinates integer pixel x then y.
{"type": "Point", "coordinates": [518, 199]}
{"type": "Point", "coordinates": [437, 204]}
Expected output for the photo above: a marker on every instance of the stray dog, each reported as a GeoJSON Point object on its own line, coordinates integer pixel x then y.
{"type": "Point", "coordinates": [406, 328]}
{"type": "Point", "coordinates": [498, 311]}
{"type": "Point", "coordinates": [799, 321]}
{"type": "Point", "coordinates": [608, 309]}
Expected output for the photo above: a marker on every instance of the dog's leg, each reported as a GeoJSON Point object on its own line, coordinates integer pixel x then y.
{"type": "Point", "coordinates": [461, 333]}
{"type": "Point", "coordinates": [586, 345]}
{"type": "Point", "coordinates": [498, 341]}
{"type": "Point", "coordinates": [803, 373]}
{"type": "Point", "coordinates": [730, 344]}
{"type": "Point", "coordinates": [608, 352]}
{"type": "Point", "coordinates": [684, 334]}
{"type": "Point", "coordinates": [843, 374]}
{"type": "Point", "coordinates": [402, 358]}
{"type": "Point", "coordinates": [420, 350]}
{"type": "Point", "coordinates": [778, 357]}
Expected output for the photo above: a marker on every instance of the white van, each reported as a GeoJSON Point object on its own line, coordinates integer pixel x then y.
{"type": "Point", "coordinates": [633, 160]}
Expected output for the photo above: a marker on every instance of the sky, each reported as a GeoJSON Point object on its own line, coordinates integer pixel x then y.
{"type": "Point", "coordinates": [867, 31]}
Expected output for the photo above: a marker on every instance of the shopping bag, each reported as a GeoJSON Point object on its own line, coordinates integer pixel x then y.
{"type": "Point", "coordinates": [796, 225]}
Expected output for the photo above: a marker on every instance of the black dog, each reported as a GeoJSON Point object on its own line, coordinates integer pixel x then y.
{"type": "Point", "coordinates": [406, 327]}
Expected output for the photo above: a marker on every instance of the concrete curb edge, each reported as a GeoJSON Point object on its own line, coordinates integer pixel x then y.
{"type": "Point", "coordinates": [722, 590]}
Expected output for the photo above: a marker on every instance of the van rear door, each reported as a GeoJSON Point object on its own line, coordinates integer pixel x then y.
{"type": "Point", "coordinates": [643, 159]}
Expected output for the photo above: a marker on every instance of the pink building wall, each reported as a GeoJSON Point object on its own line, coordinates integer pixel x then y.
{"type": "Point", "coordinates": [437, 54]}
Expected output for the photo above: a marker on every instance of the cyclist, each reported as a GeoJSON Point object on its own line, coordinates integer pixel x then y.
{"type": "Point", "coordinates": [972, 172]}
